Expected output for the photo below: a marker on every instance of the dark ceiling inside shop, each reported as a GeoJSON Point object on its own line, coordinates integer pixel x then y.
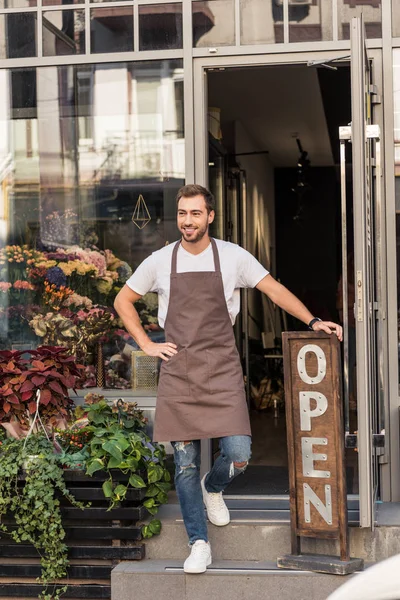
{"type": "Point", "coordinates": [277, 104]}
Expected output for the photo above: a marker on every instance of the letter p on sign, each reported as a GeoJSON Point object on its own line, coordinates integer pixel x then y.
{"type": "Point", "coordinates": [306, 412]}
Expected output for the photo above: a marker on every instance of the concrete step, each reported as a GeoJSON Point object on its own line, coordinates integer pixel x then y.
{"type": "Point", "coordinates": [225, 580]}
{"type": "Point", "coordinates": [258, 536]}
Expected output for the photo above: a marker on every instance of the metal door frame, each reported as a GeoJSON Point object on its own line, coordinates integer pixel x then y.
{"type": "Point", "coordinates": [200, 67]}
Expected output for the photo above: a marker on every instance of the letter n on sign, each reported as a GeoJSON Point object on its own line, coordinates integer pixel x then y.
{"type": "Point", "coordinates": [315, 436]}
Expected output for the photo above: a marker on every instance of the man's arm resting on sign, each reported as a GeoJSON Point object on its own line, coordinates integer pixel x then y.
{"type": "Point", "coordinates": [291, 304]}
{"type": "Point", "coordinates": [124, 305]}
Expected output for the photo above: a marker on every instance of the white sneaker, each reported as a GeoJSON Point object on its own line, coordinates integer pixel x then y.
{"type": "Point", "coordinates": [217, 511]}
{"type": "Point", "coordinates": [199, 558]}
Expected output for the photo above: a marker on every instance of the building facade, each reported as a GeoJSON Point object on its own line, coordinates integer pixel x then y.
{"type": "Point", "coordinates": [107, 108]}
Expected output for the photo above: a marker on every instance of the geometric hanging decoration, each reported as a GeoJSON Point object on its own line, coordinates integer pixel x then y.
{"type": "Point", "coordinates": [141, 216]}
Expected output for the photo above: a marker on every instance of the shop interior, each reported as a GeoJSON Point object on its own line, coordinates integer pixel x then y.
{"type": "Point", "coordinates": [274, 167]}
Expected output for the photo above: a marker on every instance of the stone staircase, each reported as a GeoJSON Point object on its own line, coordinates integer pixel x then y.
{"type": "Point", "coordinates": [244, 556]}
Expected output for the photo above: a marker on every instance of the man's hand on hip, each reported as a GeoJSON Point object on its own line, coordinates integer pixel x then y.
{"type": "Point", "coordinates": [165, 350]}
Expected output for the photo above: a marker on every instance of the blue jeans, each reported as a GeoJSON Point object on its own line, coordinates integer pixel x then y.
{"type": "Point", "coordinates": [235, 449]}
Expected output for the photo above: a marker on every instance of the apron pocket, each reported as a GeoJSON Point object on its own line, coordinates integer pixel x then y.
{"type": "Point", "coordinates": [173, 377]}
{"type": "Point", "coordinates": [225, 372]}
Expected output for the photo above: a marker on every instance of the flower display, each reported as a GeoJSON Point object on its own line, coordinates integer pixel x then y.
{"type": "Point", "coordinates": [77, 266]}
{"type": "Point", "coordinates": [54, 296]}
{"type": "Point", "coordinates": [76, 301]}
{"type": "Point", "coordinates": [56, 276]}
{"type": "Point", "coordinates": [91, 257]}
{"type": "Point", "coordinates": [63, 296]}
{"type": "Point", "coordinates": [23, 285]}
{"type": "Point", "coordinates": [19, 255]}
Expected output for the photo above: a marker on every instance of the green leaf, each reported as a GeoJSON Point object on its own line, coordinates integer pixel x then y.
{"type": "Point", "coordinates": [152, 510]}
{"type": "Point", "coordinates": [149, 503]}
{"type": "Point", "coordinates": [162, 498]}
{"type": "Point", "coordinates": [113, 463]}
{"type": "Point", "coordinates": [107, 489]}
{"type": "Point", "coordinates": [155, 474]}
{"type": "Point", "coordinates": [155, 526]}
{"type": "Point", "coordinates": [152, 490]}
{"type": "Point", "coordinates": [146, 533]}
{"type": "Point", "coordinates": [120, 491]}
{"type": "Point", "coordinates": [121, 442]}
{"type": "Point", "coordinates": [95, 465]}
{"type": "Point", "coordinates": [112, 448]}
{"type": "Point", "coordinates": [163, 486]}
{"type": "Point", "coordinates": [136, 481]}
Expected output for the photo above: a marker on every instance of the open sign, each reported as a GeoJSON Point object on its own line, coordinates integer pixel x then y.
{"type": "Point", "coordinates": [315, 437]}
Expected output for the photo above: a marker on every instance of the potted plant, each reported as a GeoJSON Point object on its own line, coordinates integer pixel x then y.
{"type": "Point", "coordinates": [31, 484]}
{"type": "Point", "coordinates": [49, 370]}
{"type": "Point", "coordinates": [119, 445]}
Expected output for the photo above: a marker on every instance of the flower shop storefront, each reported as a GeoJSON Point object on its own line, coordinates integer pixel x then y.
{"type": "Point", "coordinates": [106, 110]}
{"type": "Point", "coordinates": [102, 119]}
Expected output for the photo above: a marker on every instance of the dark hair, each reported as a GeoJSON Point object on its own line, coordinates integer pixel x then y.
{"type": "Point", "coordinates": [192, 190]}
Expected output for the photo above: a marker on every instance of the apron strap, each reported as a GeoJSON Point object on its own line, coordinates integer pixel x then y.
{"type": "Point", "coordinates": [217, 265]}
{"type": "Point", "coordinates": [174, 257]}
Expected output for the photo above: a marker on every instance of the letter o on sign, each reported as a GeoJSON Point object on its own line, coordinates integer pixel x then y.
{"type": "Point", "coordinates": [301, 363]}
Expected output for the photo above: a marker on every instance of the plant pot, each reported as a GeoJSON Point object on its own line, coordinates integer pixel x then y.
{"type": "Point", "coordinates": [29, 460]}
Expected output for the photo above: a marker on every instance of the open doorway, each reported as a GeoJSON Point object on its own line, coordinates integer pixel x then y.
{"type": "Point", "coordinates": [274, 167]}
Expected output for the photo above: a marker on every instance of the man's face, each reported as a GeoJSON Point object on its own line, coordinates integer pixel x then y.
{"type": "Point", "coordinates": [193, 219]}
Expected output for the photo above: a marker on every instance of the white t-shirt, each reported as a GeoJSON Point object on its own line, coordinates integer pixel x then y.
{"type": "Point", "coordinates": [239, 269]}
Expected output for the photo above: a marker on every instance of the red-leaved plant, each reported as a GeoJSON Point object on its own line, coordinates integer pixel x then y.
{"type": "Point", "coordinates": [50, 369]}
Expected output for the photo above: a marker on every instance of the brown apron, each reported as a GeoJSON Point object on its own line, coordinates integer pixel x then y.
{"type": "Point", "coordinates": [201, 389]}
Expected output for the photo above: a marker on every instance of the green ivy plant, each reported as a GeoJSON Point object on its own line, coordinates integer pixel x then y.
{"type": "Point", "coordinates": [120, 443]}
{"type": "Point", "coordinates": [35, 504]}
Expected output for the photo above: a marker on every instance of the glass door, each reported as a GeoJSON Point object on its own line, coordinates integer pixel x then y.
{"type": "Point", "coordinates": [369, 309]}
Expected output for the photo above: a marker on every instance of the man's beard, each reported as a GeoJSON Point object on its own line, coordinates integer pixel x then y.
{"type": "Point", "coordinates": [196, 237]}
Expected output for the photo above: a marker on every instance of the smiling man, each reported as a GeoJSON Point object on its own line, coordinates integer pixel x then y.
{"type": "Point", "coordinates": [201, 391]}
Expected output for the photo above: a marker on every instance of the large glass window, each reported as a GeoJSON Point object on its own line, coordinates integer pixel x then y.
{"type": "Point", "coordinates": [18, 35]}
{"type": "Point", "coordinates": [91, 158]}
{"type": "Point", "coordinates": [261, 22]}
{"type": "Point", "coordinates": [63, 32]}
{"type": "Point", "coordinates": [111, 29]}
{"type": "Point", "coordinates": [160, 27]}
{"type": "Point", "coordinates": [310, 21]}
{"type": "Point", "coordinates": [371, 11]}
{"type": "Point", "coordinates": [213, 23]}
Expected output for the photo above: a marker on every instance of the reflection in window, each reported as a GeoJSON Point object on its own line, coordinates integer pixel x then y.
{"type": "Point", "coordinates": [372, 13]}
{"type": "Point", "coordinates": [61, 2]}
{"type": "Point", "coordinates": [18, 35]}
{"type": "Point", "coordinates": [160, 27]}
{"type": "Point", "coordinates": [396, 87]}
{"type": "Point", "coordinates": [310, 21]}
{"type": "Point", "coordinates": [82, 147]}
{"type": "Point", "coordinates": [261, 21]}
{"type": "Point", "coordinates": [17, 4]}
{"type": "Point", "coordinates": [396, 18]}
{"type": "Point", "coordinates": [111, 29]}
{"type": "Point", "coordinates": [213, 23]}
{"type": "Point", "coordinates": [63, 32]}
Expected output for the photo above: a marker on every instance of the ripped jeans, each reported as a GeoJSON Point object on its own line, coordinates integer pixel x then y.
{"type": "Point", "coordinates": [235, 449]}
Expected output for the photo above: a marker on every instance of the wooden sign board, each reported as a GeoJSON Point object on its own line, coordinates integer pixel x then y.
{"type": "Point", "coordinates": [315, 437]}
